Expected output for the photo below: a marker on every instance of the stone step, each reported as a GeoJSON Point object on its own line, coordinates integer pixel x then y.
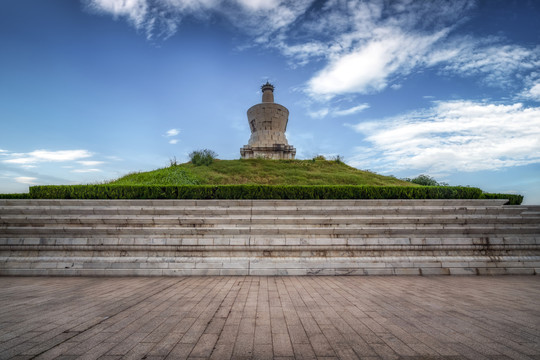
{"type": "Point", "coordinates": [212, 221]}
{"type": "Point", "coordinates": [250, 203]}
{"type": "Point", "coordinates": [167, 231]}
{"type": "Point", "coordinates": [185, 266]}
{"type": "Point", "coordinates": [267, 237]}
{"type": "Point", "coordinates": [279, 239]}
{"type": "Point", "coordinates": [201, 243]}
{"type": "Point", "coordinates": [227, 212]}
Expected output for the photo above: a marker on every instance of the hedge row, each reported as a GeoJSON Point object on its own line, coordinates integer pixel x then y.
{"type": "Point", "coordinates": [257, 192]}
{"type": "Point", "coordinates": [512, 199]}
{"type": "Point", "coordinates": [15, 196]}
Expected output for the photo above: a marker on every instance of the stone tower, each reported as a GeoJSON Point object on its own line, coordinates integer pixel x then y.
{"type": "Point", "coordinates": [268, 122]}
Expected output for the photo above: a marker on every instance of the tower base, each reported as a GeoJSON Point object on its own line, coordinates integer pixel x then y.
{"type": "Point", "coordinates": [275, 152]}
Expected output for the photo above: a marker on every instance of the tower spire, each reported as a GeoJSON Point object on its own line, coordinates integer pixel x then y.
{"type": "Point", "coordinates": [268, 93]}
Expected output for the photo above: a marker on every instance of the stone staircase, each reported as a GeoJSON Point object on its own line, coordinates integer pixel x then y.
{"type": "Point", "coordinates": [267, 237]}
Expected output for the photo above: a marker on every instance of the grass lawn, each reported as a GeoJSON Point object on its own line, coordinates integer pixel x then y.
{"type": "Point", "coordinates": [261, 171]}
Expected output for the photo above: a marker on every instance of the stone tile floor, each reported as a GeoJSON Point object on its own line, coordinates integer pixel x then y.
{"type": "Point", "coordinates": [270, 317]}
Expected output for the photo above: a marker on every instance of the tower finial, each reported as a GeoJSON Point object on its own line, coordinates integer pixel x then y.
{"type": "Point", "coordinates": [268, 93]}
{"type": "Point", "coordinates": [267, 86]}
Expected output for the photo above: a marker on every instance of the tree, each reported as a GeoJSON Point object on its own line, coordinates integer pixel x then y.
{"type": "Point", "coordinates": [202, 157]}
{"type": "Point", "coordinates": [425, 180]}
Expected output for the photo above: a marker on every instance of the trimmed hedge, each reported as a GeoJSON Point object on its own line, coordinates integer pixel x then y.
{"type": "Point", "coordinates": [305, 192]}
{"type": "Point", "coordinates": [15, 196]}
{"type": "Point", "coordinates": [512, 198]}
{"type": "Point", "coordinates": [252, 192]}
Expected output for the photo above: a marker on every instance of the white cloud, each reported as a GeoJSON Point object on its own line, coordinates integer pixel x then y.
{"type": "Point", "coordinates": [362, 158]}
{"type": "Point", "coordinates": [172, 132]}
{"type": "Point", "coordinates": [391, 52]}
{"type": "Point", "coordinates": [367, 45]}
{"type": "Point", "coordinates": [351, 111]}
{"type": "Point", "coordinates": [90, 162]}
{"type": "Point", "coordinates": [321, 113]}
{"type": "Point", "coordinates": [367, 69]}
{"type": "Point", "coordinates": [361, 46]}
{"type": "Point", "coordinates": [256, 5]}
{"type": "Point", "coordinates": [85, 170]}
{"type": "Point", "coordinates": [533, 93]}
{"type": "Point", "coordinates": [135, 10]}
{"type": "Point", "coordinates": [26, 180]}
{"type": "Point", "coordinates": [265, 19]}
{"type": "Point", "coordinates": [38, 156]}
{"type": "Point", "coordinates": [318, 114]}
{"type": "Point", "coordinates": [495, 61]}
{"type": "Point", "coordinates": [457, 136]}
{"type": "Point", "coordinates": [162, 18]}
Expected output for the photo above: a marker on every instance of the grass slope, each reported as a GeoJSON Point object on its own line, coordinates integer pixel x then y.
{"type": "Point", "coordinates": [260, 171]}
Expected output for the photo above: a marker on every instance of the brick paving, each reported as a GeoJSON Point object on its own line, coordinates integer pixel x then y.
{"type": "Point", "coordinates": [270, 318]}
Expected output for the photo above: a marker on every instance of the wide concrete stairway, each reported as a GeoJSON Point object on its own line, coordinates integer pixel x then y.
{"type": "Point", "coordinates": [267, 237]}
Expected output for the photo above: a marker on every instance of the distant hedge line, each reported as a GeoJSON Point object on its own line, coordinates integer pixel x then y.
{"type": "Point", "coordinates": [15, 196]}
{"type": "Point", "coordinates": [261, 192]}
{"type": "Point", "coordinates": [512, 199]}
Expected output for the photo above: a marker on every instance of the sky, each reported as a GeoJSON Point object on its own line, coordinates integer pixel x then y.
{"type": "Point", "coordinates": [92, 90]}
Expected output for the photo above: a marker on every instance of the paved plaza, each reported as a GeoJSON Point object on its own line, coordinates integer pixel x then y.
{"type": "Point", "coordinates": [270, 318]}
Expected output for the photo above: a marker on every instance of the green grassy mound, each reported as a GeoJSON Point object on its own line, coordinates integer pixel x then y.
{"type": "Point", "coordinates": [259, 179]}
{"type": "Point", "coordinates": [262, 172]}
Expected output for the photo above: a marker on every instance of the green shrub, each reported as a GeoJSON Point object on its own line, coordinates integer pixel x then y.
{"type": "Point", "coordinates": [202, 157]}
{"type": "Point", "coordinates": [338, 159]}
{"type": "Point", "coordinates": [512, 198]}
{"type": "Point", "coordinates": [251, 192]}
{"type": "Point", "coordinates": [425, 180]}
{"type": "Point", "coordinates": [15, 196]}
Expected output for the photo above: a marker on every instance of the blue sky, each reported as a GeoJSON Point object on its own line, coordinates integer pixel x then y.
{"type": "Point", "coordinates": [92, 90]}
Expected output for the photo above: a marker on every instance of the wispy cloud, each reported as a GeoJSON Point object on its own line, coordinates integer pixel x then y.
{"type": "Point", "coordinates": [85, 170]}
{"type": "Point", "coordinates": [533, 93]}
{"type": "Point", "coordinates": [318, 114]}
{"type": "Point", "coordinates": [38, 156]}
{"type": "Point", "coordinates": [135, 11]}
{"type": "Point", "coordinates": [366, 47]}
{"type": "Point", "coordinates": [456, 136]}
{"type": "Point", "coordinates": [367, 68]}
{"type": "Point", "coordinates": [492, 59]}
{"type": "Point", "coordinates": [369, 64]}
{"type": "Point", "coordinates": [351, 111]}
{"type": "Point", "coordinates": [172, 132]}
{"type": "Point", "coordinates": [334, 112]}
{"type": "Point", "coordinates": [161, 19]}
{"type": "Point", "coordinates": [360, 47]}
{"type": "Point", "coordinates": [26, 180]}
{"type": "Point", "coordinates": [90, 162]}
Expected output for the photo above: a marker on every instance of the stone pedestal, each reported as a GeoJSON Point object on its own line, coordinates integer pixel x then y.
{"type": "Point", "coordinates": [268, 123]}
